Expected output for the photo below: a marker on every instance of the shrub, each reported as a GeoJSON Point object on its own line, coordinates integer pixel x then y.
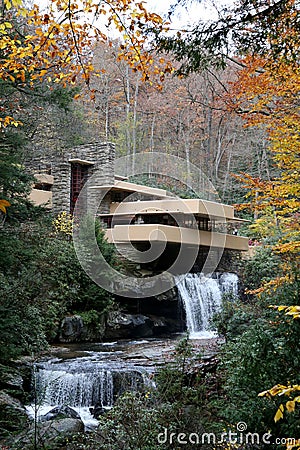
{"type": "Point", "coordinates": [40, 281]}
{"type": "Point", "coordinates": [259, 353]}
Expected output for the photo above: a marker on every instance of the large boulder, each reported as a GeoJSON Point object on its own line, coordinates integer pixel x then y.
{"type": "Point", "coordinates": [11, 381]}
{"type": "Point", "coordinates": [120, 325]}
{"type": "Point", "coordinates": [13, 416]}
{"type": "Point", "coordinates": [89, 327]}
{"type": "Point", "coordinates": [60, 412]}
{"type": "Point", "coordinates": [63, 427]}
{"type": "Point", "coordinates": [50, 434]}
{"type": "Point", "coordinates": [71, 329]}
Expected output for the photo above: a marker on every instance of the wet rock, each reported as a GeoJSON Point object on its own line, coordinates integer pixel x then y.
{"type": "Point", "coordinates": [76, 329]}
{"type": "Point", "coordinates": [127, 382]}
{"type": "Point", "coordinates": [71, 329]}
{"type": "Point", "coordinates": [65, 426]}
{"type": "Point", "coordinates": [159, 322]}
{"type": "Point", "coordinates": [10, 379]}
{"type": "Point", "coordinates": [60, 412]}
{"type": "Point", "coordinates": [97, 411]}
{"type": "Point", "coordinates": [48, 434]}
{"type": "Point", "coordinates": [170, 296]}
{"type": "Point", "coordinates": [120, 325]}
{"type": "Point", "coordinates": [12, 382]}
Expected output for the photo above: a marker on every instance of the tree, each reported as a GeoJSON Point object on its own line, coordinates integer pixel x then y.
{"type": "Point", "coordinates": [269, 101]}
{"type": "Point", "coordinates": [41, 281]}
{"type": "Point", "coordinates": [266, 96]}
{"type": "Point", "coordinates": [43, 56]}
{"type": "Point", "coordinates": [56, 46]}
{"type": "Point", "coordinates": [248, 27]}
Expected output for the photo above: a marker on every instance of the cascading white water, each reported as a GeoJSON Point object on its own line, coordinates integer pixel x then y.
{"type": "Point", "coordinates": [202, 298]}
{"type": "Point", "coordinates": [228, 283]}
{"type": "Point", "coordinates": [83, 383]}
{"type": "Point", "coordinates": [79, 389]}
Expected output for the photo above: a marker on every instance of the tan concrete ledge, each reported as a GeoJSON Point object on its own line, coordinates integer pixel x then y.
{"type": "Point", "coordinates": [41, 198]}
{"type": "Point", "coordinates": [176, 235]}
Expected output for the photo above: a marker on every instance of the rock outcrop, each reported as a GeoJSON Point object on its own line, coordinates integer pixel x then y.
{"type": "Point", "coordinates": [71, 329]}
{"type": "Point", "coordinates": [60, 412]}
{"type": "Point", "coordinates": [140, 318]}
{"type": "Point", "coordinates": [13, 416]}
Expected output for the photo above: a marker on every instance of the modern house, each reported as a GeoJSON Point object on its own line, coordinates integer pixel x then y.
{"type": "Point", "coordinates": [136, 216]}
{"type": "Point", "coordinates": [165, 217]}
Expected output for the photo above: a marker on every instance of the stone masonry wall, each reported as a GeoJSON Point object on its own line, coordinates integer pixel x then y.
{"type": "Point", "coordinates": [101, 157]}
{"type": "Point", "coordinates": [61, 187]}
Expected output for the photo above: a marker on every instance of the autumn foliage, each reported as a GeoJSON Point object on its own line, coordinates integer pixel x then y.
{"type": "Point", "coordinates": [56, 47]}
{"type": "Point", "coordinates": [267, 99]}
{"type": "Point", "coordinates": [266, 95]}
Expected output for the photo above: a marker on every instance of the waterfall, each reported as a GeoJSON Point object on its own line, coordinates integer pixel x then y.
{"type": "Point", "coordinates": [228, 283]}
{"type": "Point", "coordinates": [202, 298]}
{"type": "Point", "coordinates": [86, 384]}
{"type": "Point", "coordinates": [59, 387]}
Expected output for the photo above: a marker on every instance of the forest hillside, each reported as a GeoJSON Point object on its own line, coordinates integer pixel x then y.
{"type": "Point", "coordinates": [223, 95]}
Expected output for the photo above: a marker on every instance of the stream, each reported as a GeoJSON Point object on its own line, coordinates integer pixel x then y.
{"type": "Point", "coordinates": [89, 377]}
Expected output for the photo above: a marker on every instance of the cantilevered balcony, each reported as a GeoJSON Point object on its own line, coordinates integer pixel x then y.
{"type": "Point", "coordinates": [152, 233]}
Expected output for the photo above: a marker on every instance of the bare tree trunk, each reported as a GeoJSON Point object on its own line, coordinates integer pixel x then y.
{"type": "Point", "coordinates": [187, 151]}
{"type": "Point", "coordinates": [228, 167]}
{"type": "Point", "coordinates": [134, 124]}
{"type": "Point", "coordinates": [265, 160]}
{"type": "Point", "coordinates": [255, 211]}
{"type": "Point", "coordinates": [151, 143]}
{"type": "Point", "coordinates": [107, 118]}
{"type": "Point", "coordinates": [208, 142]}
{"type": "Point", "coordinates": [152, 133]}
{"type": "Point", "coordinates": [220, 150]}
{"type": "Point", "coordinates": [127, 95]}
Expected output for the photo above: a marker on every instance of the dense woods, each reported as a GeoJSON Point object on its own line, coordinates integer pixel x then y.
{"type": "Point", "coordinates": [223, 95]}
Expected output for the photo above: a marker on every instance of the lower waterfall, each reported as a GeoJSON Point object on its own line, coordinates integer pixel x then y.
{"type": "Point", "coordinates": [77, 389]}
{"type": "Point", "coordinates": [88, 384]}
{"type": "Point", "coordinates": [202, 298]}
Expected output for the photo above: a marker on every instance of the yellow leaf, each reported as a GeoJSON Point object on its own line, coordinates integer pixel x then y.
{"type": "Point", "coordinates": [23, 12]}
{"type": "Point", "coordinates": [278, 389]}
{"type": "Point", "coordinates": [263, 394]}
{"type": "Point", "coordinates": [290, 406]}
{"type": "Point", "coordinates": [279, 413]}
{"type": "Point", "coordinates": [281, 307]}
{"type": "Point", "coordinates": [7, 4]}
{"type": "Point", "coordinates": [3, 205]}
